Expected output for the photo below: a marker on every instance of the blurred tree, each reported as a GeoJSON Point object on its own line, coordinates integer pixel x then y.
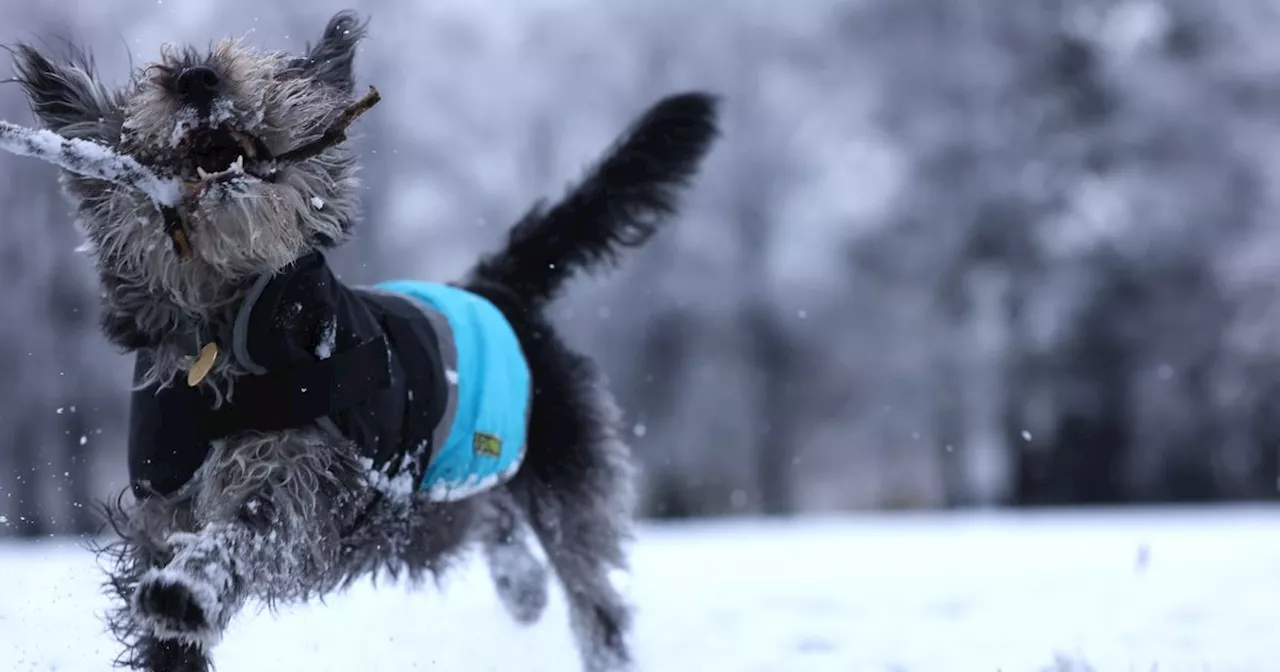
{"type": "Point", "coordinates": [982, 102]}
{"type": "Point", "coordinates": [30, 397]}
{"type": "Point", "coordinates": [1062, 140]}
{"type": "Point", "coordinates": [762, 170]}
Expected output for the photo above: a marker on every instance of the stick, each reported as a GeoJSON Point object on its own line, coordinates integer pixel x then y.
{"type": "Point", "coordinates": [90, 159]}
{"type": "Point", "coordinates": [336, 133]}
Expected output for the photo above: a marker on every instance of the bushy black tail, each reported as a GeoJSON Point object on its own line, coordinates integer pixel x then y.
{"type": "Point", "coordinates": [620, 203]}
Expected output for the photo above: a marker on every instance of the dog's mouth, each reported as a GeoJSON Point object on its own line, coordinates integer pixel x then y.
{"type": "Point", "coordinates": [223, 157]}
{"type": "Point", "coordinates": [223, 152]}
{"type": "Point", "coordinates": [214, 157]}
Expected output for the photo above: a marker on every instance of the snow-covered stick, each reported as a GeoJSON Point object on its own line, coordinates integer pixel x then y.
{"type": "Point", "coordinates": [91, 160]}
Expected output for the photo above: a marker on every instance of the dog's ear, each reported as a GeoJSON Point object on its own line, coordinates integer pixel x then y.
{"type": "Point", "coordinates": [65, 96]}
{"type": "Point", "coordinates": [330, 60]}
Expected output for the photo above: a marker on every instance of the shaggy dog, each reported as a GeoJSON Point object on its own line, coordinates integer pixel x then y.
{"type": "Point", "coordinates": [446, 415]}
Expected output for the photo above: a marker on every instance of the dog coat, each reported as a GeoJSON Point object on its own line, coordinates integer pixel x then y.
{"type": "Point", "coordinates": [424, 378]}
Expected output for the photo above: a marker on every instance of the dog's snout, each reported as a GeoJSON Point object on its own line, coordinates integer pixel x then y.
{"type": "Point", "coordinates": [198, 85]}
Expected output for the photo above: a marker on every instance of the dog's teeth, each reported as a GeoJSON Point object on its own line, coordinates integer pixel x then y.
{"type": "Point", "coordinates": [202, 173]}
{"type": "Point", "coordinates": [240, 162]}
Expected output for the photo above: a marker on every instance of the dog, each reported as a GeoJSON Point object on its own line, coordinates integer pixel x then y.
{"type": "Point", "coordinates": [325, 433]}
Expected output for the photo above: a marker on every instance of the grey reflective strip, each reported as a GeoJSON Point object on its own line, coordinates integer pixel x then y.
{"type": "Point", "coordinates": [449, 361]}
{"type": "Point", "coordinates": [240, 330]}
{"type": "Point", "coordinates": [448, 349]}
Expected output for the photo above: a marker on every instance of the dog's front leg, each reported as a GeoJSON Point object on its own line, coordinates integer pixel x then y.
{"type": "Point", "coordinates": [154, 654]}
{"type": "Point", "coordinates": [143, 527]}
{"type": "Point", "coordinates": [188, 602]}
{"type": "Point", "coordinates": [271, 510]}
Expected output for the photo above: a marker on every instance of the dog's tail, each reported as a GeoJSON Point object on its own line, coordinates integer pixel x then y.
{"type": "Point", "coordinates": [620, 203]}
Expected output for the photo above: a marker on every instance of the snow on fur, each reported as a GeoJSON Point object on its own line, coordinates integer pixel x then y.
{"type": "Point", "coordinates": [89, 159]}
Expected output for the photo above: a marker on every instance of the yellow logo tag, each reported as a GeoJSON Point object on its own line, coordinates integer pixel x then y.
{"type": "Point", "coordinates": [484, 443]}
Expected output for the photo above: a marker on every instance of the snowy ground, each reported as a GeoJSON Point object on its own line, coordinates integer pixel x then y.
{"type": "Point", "coordinates": [1147, 591]}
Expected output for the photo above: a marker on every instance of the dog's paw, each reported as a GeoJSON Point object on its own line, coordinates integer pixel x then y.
{"type": "Point", "coordinates": [170, 656]}
{"type": "Point", "coordinates": [173, 606]}
{"type": "Point", "coordinates": [521, 581]}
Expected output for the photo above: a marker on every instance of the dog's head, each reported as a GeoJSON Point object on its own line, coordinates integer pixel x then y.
{"type": "Point", "coordinates": [194, 113]}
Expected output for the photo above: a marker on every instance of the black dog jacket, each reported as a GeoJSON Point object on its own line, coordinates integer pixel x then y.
{"type": "Point", "coordinates": [362, 363]}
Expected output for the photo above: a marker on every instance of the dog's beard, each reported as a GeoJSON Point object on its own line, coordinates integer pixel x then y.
{"type": "Point", "coordinates": [240, 220]}
{"type": "Point", "coordinates": [244, 226]}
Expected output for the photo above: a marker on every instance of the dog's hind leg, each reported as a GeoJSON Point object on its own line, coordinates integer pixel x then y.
{"type": "Point", "coordinates": [519, 577]}
{"type": "Point", "coordinates": [575, 487]}
{"type": "Point", "coordinates": [584, 548]}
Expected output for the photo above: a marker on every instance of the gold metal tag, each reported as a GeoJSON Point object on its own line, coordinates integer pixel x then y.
{"type": "Point", "coordinates": [203, 365]}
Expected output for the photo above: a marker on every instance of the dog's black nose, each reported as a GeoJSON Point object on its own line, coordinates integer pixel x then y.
{"type": "Point", "coordinates": [198, 85]}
